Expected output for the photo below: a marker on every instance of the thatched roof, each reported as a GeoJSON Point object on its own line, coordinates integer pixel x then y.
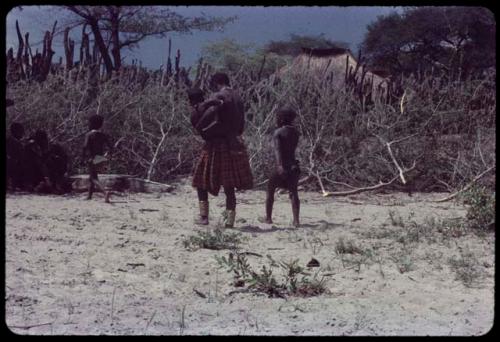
{"type": "Point", "coordinates": [332, 63]}
{"type": "Point", "coordinates": [333, 51]}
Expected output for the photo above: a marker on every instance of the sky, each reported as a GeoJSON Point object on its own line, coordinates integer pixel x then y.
{"type": "Point", "coordinates": [256, 25]}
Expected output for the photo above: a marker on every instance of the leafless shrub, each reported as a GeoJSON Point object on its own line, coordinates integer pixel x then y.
{"type": "Point", "coordinates": [439, 136]}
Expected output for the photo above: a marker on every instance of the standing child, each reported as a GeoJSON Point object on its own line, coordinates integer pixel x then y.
{"type": "Point", "coordinates": [93, 154]}
{"type": "Point", "coordinates": [286, 176]}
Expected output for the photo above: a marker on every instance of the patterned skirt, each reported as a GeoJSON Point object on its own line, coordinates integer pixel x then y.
{"type": "Point", "coordinates": [219, 165]}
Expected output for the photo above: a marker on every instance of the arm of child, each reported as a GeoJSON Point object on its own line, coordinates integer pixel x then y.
{"type": "Point", "coordinates": [195, 117]}
{"type": "Point", "coordinates": [218, 101]}
{"type": "Point", "coordinates": [207, 119]}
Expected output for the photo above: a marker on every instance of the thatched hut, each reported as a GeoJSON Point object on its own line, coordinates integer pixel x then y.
{"type": "Point", "coordinates": [337, 65]}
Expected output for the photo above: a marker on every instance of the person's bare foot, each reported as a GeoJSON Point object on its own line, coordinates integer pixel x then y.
{"type": "Point", "coordinates": [202, 221]}
{"type": "Point", "coordinates": [106, 197]}
{"type": "Point", "coordinates": [264, 220]}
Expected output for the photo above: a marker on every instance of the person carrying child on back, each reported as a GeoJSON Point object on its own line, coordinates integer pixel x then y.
{"type": "Point", "coordinates": [96, 142]}
{"type": "Point", "coordinates": [286, 176]}
{"type": "Point", "coordinates": [223, 161]}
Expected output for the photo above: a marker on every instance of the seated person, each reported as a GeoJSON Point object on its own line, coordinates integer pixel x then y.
{"type": "Point", "coordinates": [15, 156]}
{"type": "Point", "coordinates": [35, 169]}
{"type": "Point", "coordinates": [57, 167]}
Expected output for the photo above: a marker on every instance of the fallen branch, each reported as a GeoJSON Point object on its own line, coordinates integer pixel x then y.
{"type": "Point", "coordinates": [199, 293]}
{"type": "Point", "coordinates": [251, 253]}
{"type": "Point", "coordinates": [466, 187]}
{"type": "Point", "coordinates": [358, 190]}
{"type": "Point", "coordinates": [29, 326]}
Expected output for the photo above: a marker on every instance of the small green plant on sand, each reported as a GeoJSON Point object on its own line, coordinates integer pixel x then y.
{"type": "Point", "coordinates": [295, 281]}
{"type": "Point", "coordinates": [216, 239]}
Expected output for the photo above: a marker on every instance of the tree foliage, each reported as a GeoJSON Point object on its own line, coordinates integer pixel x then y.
{"type": "Point", "coordinates": [456, 40]}
{"type": "Point", "coordinates": [118, 27]}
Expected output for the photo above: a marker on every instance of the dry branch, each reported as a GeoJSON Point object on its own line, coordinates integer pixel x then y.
{"type": "Point", "coordinates": [358, 190]}
{"type": "Point", "coordinates": [466, 187]}
{"type": "Point", "coordinates": [29, 326]}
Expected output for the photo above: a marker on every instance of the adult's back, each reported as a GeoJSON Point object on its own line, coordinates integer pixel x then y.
{"type": "Point", "coordinates": [231, 111]}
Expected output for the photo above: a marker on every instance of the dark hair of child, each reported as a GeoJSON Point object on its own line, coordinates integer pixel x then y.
{"type": "Point", "coordinates": [96, 121]}
{"type": "Point", "coordinates": [17, 130]}
{"type": "Point", "coordinates": [195, 96]}
{"type": "Point", "coordinates": [219, 78]}
{"type": "Point", "coordinates": [285, 116]}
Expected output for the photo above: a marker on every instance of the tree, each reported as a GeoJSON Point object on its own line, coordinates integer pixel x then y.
{"type": "Point", "coordinates": [117, 27]}
{"type": "Point", "coordinates": [456, 40]}
{"type": "Point", "coordinates": [230, 56]}
{"type": "Point", "coordinates": [294, 45]}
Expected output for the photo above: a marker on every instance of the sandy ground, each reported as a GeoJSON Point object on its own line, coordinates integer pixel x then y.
{"type": "Point", "coordinates": [85, 267]}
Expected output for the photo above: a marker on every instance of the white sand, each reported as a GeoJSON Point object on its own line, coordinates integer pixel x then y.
{"type": "Point", "coordinates": [85, 267]}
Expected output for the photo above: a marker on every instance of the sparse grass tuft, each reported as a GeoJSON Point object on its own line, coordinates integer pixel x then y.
{"type": "Point", "coordinates": [216, 239]}
{"type": "Point", "coordinates": [432, 230]}
{"type": "Point", "coordinates": [396, 219]}
{"type": "Point", "coordinates": [466, 268]}
{"type": "Point", "coordinates": [347, 247]}
{"type": "Point", "coordinates": [403, 259]}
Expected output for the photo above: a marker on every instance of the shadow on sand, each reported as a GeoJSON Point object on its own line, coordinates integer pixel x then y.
{"type": "Point", "coordinates": [319, 225]}
{"type": "Point", "coordinates": [257, 229]}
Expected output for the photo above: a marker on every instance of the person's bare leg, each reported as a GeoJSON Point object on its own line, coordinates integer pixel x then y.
{"type": "Point", "coordinates": [271, 188]}
{"type": "Point", "coordinates": [294, 198]}
{"type": "Point", "coordinates": [92, 176]}
{"type": "Point", "coordinates": [230, 206]}
{"type": "Point", "coordinates": [101, 188]}
{"type": "Point", "coordinates": [203, 204]}
{"type": "Point", "coordinates": [91, 188]}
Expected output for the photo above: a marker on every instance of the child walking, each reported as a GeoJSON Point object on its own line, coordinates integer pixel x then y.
{"type": "Point", "coordinates": [96, 142]}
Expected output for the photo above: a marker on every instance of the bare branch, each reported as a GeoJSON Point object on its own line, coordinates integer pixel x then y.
{"type": "Point", "coordinates": [358, 190]}
{"type": "Point", "coordinates": [478, 177]}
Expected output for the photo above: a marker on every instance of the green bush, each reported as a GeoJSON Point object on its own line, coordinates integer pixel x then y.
{"type": "Point", "coordinates": [481, 208]}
